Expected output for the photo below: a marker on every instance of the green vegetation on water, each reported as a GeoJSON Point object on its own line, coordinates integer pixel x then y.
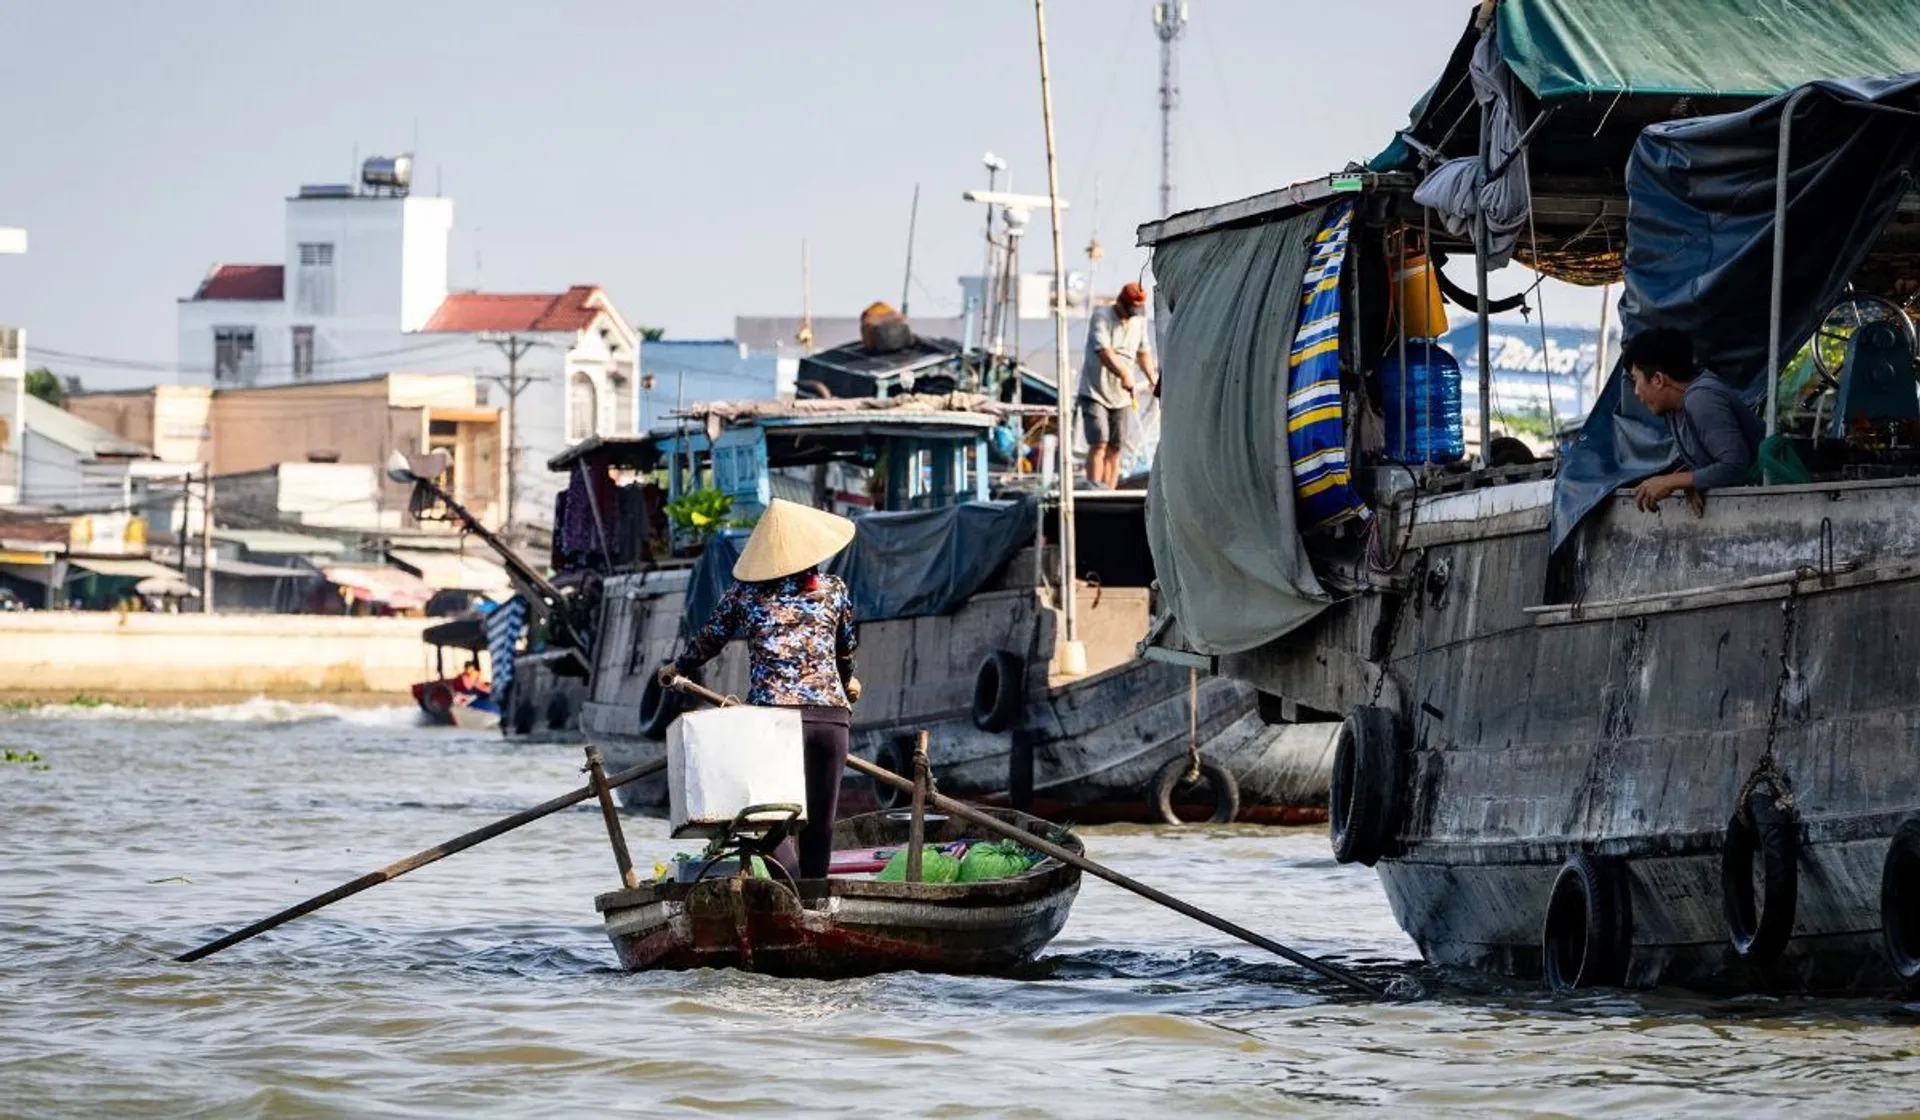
{"type": "Point", "coordinates": [77, 700]}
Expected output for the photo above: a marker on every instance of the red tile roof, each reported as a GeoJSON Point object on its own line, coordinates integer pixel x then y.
{"type": "Point", "coordinates": [52, 532]}
{"type": "Point", "coordinates": [244, 281]}
{"type": "Point", "coordinates": [469, 312]}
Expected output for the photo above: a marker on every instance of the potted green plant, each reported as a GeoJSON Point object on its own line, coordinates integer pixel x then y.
{"type": "Point", "coordinates": [697, 515]}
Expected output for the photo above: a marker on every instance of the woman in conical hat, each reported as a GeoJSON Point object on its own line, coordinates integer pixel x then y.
{"type": "Point", "coordinates": [798, 626]}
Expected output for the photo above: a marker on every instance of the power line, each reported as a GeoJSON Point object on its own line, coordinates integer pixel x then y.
{"type": "Point", "coordinates": [155, 365]}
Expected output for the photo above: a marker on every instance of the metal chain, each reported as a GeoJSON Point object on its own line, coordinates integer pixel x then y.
{"type": "Point", "coordinates": [1193, 727]}
{"type": "Point", "coordinates": [1767, 769]}
{"type": "Point", "coordinates": [1393, 638]}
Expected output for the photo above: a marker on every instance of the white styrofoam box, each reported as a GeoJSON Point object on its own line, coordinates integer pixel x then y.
{"type": "Point", "coordinates": [722, 760]}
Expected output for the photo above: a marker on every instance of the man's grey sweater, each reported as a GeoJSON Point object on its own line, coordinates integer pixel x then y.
{"type": "Point", "coordinates": [1717, 433]}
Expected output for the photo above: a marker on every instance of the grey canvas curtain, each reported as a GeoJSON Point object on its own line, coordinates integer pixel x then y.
{"type": "Point", "coordinates": [1220, 516]}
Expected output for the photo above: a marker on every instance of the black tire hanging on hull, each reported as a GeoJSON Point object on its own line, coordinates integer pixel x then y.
{"type": "Point", "coordinates": [659, 707]}
{"type": "Point", "coordinates": [894, 756]}
{"type": "Point", "coordinates": [1766, 839]}
{"type": "Point", "coordinates": [1365, 803]}
{"type": "Point", "coordinates": [523, 714]}
{"type": "Point", "coordinates": [1172, 779]}
{"type": "Point", "coordinates": [1900, 902]}
{"type": "Point", "coordinates": [999, 691]}
{"type": "Point", "coordinates": [1588, 932]}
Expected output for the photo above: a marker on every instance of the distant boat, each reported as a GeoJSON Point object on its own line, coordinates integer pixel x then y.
{"type": "Point", "coordinates": [1111, 744]}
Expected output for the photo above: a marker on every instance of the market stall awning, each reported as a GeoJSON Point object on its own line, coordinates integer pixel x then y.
{"type": "Point", "coordinates": [279, 542]}
{"type": "Point", "coordinates": [397, 589]}
{"type": "Point", "coordinates": [129, 569]}
{"type": "Point", "coordinates": [452, 571]}
{"type": "Point", "coordinates": [248, 569]}
{"type": "Point", "coordinates": [173, 588]}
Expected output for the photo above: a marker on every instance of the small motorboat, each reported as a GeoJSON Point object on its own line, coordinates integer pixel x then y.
{"type": "Point", "coordinates": [447, 699]}
{"type": "Point", "coordinates": [851, 924]}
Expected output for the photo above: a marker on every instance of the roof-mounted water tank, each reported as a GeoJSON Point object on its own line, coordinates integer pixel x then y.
{"type": "Point", "coordinates": [381, 175]}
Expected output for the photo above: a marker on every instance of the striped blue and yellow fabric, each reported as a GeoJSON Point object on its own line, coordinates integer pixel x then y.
{"type": "Point", "coordinates": [1316, 433]}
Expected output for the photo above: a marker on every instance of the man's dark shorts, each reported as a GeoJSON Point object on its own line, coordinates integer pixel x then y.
{"type": "Point", "coordinates": [1103, 424]}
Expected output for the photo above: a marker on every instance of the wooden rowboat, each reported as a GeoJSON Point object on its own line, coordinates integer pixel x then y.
{"type": "Point", "coordinates": [839, 927]}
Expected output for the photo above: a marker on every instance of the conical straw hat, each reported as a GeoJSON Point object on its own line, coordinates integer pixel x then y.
{"type": "Point", "coordinates": [791, 538]}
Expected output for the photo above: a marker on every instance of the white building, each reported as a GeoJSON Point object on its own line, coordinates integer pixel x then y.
{"type": "Point", "coordinates": [362, 291]}
{"type": "Point", "coordinates": [13, 372]}
{"type": "Point", "coordinates": [13, 397]}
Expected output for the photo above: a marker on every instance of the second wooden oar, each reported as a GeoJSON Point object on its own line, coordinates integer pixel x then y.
{"type": "Point", "coordinates": [1045, 847]}
{"type": "Point", "coordinates": [421, 859]}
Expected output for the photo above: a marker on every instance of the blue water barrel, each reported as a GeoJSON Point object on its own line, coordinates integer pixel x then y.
{"type": "Point", "coordinates": [1431, 390]}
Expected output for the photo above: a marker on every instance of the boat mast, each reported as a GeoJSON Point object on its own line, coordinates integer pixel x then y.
{"type": "Point", "coordinates": [1073, 656]}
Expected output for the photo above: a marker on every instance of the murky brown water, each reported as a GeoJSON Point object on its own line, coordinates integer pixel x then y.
{"type": "Point", "coordinates": [483, 985]}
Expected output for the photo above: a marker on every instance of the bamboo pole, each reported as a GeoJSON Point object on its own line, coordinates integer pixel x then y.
{"type": "Point", "coordinates": [418, 860]}
{"type": "Point", "coordinates": [917, 827]}
{"type": "Point", "coordinates": [1072, 658]}
{"type": "Point", "coordinates": [622, 858]}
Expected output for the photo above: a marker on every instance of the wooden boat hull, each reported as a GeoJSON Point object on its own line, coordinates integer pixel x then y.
{"type": "Point", "coordinates": [846, 927]}
{"type": "Point", "coordinates": [473, 717]}
{"type": "Point", "coordinates": [1094, 744]}
{"type": "Point", "coordinates": [1624, 728]}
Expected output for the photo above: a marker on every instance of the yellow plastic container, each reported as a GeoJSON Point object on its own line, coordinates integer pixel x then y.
{"type": "Point", "coordinates": [1420, 296]}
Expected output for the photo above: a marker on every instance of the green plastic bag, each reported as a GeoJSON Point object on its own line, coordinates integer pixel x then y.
{"type": "Point", "coordinates": [936, 866]}
{"type": "Point", "coordinates": [994, 861]}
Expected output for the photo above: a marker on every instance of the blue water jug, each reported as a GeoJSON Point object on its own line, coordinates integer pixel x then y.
{"type": "Point", "coordinates": [1431, 391]}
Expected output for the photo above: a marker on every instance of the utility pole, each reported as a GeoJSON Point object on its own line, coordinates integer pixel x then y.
{"type": "Point", "coordinates": [1169, 22]}
{"type": "Point", "coordinates": [515, 348]}
{"type": "Point", "coordinates": [206, 539]}
{"type": "Point", "coordinates": [805, 335]}
{"type": "Point", "coordinates": [995, 165]}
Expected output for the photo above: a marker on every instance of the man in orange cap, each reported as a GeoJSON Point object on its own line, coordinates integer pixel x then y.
{"type": "Point", "coordinates": [1116, 350]}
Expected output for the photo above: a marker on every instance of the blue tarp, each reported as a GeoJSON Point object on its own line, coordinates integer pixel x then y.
{"type": "Point", "coordinates": [1699, 254]}
{"type": "Point", "coordinates": [900, 565]}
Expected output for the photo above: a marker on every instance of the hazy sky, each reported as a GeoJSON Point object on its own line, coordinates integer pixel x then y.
{"type": "Point", "coordinates": [675, 153]}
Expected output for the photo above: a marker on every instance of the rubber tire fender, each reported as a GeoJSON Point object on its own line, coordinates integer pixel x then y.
{"type": "Point", "coordinates": [895, 757]}
{"type": "Point", "coordinates": [1760, 929]}
{"type": "Point", "coordinates": [438, 699]}
{"type": "Point", "coordinates": [999, 691]}
{"type": "Point", "coordinates": [559, 710]}
{"type": "Point", "coordinates": [1900, 902]}
{"type": "Point", "coordinates": [1364, 804]}
{"type": "Point", "coordinates": [522, 707]}
{"type": "Point", "coordinates": [1589, 909]}
{"type": "Point", "coordinates": [1226, 790]}
{"type": "Point", "coordinates": [659, 707]}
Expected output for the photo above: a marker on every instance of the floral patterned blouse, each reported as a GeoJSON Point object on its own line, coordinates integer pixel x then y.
{"type": "Point", "coordinates": [800, 639]}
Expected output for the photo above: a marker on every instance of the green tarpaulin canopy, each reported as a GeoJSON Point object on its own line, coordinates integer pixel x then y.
{"type": "Point", "coordinates": [1712, 51]}
{"type": "Point", "coordinates": [1706, 48]}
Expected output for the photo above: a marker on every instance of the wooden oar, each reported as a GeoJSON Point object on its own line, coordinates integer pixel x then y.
{"type": "Point", "coordinates": [420, 859]}
{"type": "Point", "coordinates": [1046, 847]}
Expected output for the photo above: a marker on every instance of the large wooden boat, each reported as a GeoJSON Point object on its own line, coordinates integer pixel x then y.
{"type": "Point", "coordinates": [1007, 726]}
{"type": "Point", "coordinates": [1582, 741]}
{"type": "Point", "coordinates": [852, 925]}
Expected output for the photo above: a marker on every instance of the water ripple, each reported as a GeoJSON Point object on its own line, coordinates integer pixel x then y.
{"type": "Point", "coordinates": [483, 985]}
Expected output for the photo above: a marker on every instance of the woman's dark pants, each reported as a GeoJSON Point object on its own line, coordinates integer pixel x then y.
{"type": "Point", "coordinates": [825, 735]}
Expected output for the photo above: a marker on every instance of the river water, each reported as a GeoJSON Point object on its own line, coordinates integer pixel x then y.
{"type": "Point", "coordinates": [482, 984]}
